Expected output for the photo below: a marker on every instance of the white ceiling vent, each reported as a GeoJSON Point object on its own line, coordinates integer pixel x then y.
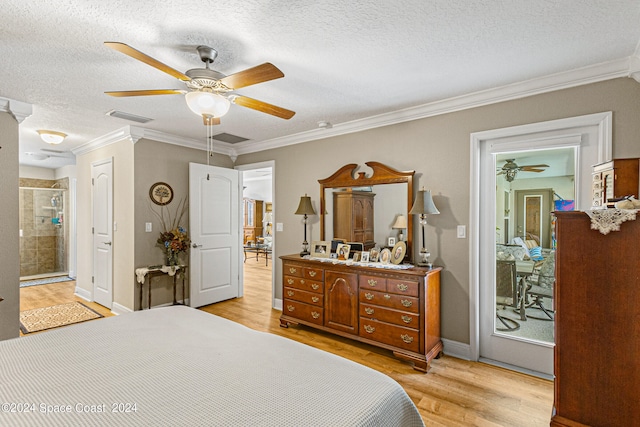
{"type": "Point", "coordinates": [128, 116]}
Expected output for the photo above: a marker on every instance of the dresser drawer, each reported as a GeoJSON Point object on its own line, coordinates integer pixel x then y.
{"type": "Point", "coordinates": [302, 311]}
{"type": "Point", "coordinates": [292, 270]}
{"type": "Point", "coordinates": [312, 298]}
{"type": "Point", "coordinates": [403, 287]}
{"type": "Point", "coordinates": [372, 282]}
{"type": "Point", "coordinates": [386, 299]}
{"type": "Point", "coordinates": [397, 336]}
{"type": "Point", "coordinates": [397, 317]}
{"type": "Point", "coordinates": [304, 284]}
{"type": "Point", "coordinates": [313, 273]}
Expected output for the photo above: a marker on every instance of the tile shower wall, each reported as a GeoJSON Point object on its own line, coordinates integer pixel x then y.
{"type": "Point", "coordinates": [43, 241]}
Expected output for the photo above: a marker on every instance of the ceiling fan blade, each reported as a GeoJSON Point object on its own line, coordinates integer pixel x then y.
{"type": "Point", "coordinates": [251, 76]}
{"type": "Point", "coordinates": [530, 169]}
{"type": "Point", "coordinates": [261, 106]}
{"type": "Point", "coordinates": [136, 54]}
{"type": "Point", "coordinates": [534, 166]}
{"type": "Point", "coordinates": [210, 120]}
{"type": "Point", "coordinates": [121, 93]}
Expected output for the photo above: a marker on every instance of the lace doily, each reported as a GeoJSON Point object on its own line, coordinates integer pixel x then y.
{"type": "Point", "coordinates": [608, 220]}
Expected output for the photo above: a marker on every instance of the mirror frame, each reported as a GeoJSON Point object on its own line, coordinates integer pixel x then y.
{"type": "Point", "coordinates": [382, 174]}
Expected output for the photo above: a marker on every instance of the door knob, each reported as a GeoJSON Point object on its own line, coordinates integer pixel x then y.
{"type": "Point", "coordinates": [196, 246]}
{"type": "Point", "coordinates": [107, 243]}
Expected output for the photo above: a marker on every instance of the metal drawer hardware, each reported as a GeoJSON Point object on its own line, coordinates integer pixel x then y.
{"type": "Point", "coordinates": [406, 338]}
{"type": "Point", "coordinates": [406, 303]}
{"type": "Point", "coordinates": [290, 308]}
{"type": "Point", "coordinates": [315, 299]}
{"type": "Point", "coordinates": [292, 270]}
{"type": "Point", "coordinates": [291, 293]}
{"type": "Point", "coordinates": [369, 310]}
{"type": "Point", "coordinates": [315, 286]}
{"type": "Point", "coordinates": [407, 319]}
{"type": "Point", "coordinates": [302, 281]}
{"type": "Point", "coordinates": [372, 282]}
{"type": "Point", "coordinates": [402, 287]}
{"type": "Point", "coordinates": [315, 314]}
{"type": "Point", "coordinates": [369, 329]}
{"type": "Point", "coordinates": [312, 273]}
{"type": "Point", "coordinates": [290, 281]}
{"type": "Point", "coordinates": [369, 296]}
{"type": "Point", "coordinates": [387, 297]}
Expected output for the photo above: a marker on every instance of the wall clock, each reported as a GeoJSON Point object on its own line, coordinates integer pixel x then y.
{"type": "Point", "coordinates": [161, 193]}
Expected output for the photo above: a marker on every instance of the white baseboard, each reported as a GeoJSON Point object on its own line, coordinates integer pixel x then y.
{"type": "Point", "coordinates": [118, 309]}
{"type": "Point", "coordinates": [277, 304]}
{"type": "Point", "coordinates": [84, 294]}
{"type": "Point", "coordinates": [456, 349]}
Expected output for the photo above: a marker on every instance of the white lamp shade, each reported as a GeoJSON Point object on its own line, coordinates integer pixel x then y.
{"type": "Point", "coordinates": [51, 136]}
{"type": "Point", "coordinates": [401, 222]}
{"type": "Point", "coordinates": [207, 103]}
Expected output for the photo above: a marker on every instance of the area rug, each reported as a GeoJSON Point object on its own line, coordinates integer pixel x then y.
{"type": "Point", "coordinates": [45, 281]}
{"type": "Point", "coordinates": [55, 316]}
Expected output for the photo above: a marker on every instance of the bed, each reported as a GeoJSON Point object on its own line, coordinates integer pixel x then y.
{"type": "Point", "coordinates": [176, 366]}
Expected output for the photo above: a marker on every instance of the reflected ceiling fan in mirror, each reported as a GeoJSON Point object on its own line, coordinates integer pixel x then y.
{"type": "Point", "coordinates": [510, 169]}
{"type": "Point", "coordinates": [209, 93]}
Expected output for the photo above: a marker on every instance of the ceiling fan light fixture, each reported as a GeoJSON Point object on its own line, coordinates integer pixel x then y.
{"type": "Point", "coordinates": [51, 136]}
{"type": "Point", "coordinates": [205, 103]}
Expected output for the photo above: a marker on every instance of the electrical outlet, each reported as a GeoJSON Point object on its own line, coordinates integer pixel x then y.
{"type": "Point", "coordinates": [148, 227]}
{"type": "Point", "coordinates": [462, 232]}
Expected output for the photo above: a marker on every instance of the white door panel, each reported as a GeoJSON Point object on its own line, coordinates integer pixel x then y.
{"type": "Point", "coordinates": [102, 205]}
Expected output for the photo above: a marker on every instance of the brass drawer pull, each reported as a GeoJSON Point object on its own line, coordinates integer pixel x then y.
{"type": "Point", "coordinates": [402, 287]}
{"type": "Point", "coordinates": [369, 310]}
{"type": "Point", "coordinates": [407, 319]}
{"type": "Point", "coordinates": [290, 293]}
{"type": "Point", "coordinates": [290, 308]}
{"type": "Point", "coordinates": [293, 270]}
{"type": "Point", "coordinates": [302, 281]}
{"type": "Point", "coordinates": [369, 329]}
{"type": "Point", "coordinates": [406, 338]}
{"type": "Point", "coordinates": [387, 297]}
{"type": "Point", "coordinates": [369, 296]}
{"type": "Point", "coordinates": [290, 281]}
{"type": "Point", "coordinates": [315, 314]}
{"type": "Point", "coordinates": [406, 303]}
{"type": "Point", "coordinates": [372, 282]}
{"type": "Point", "coordinates": [315, 299]}
{"type": "Point", "coordinates": [315, 286]}
{"type": "Point", "coordinates": [312, 273]}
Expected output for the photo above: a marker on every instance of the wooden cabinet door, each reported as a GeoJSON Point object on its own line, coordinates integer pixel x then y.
{"type": "Point", "coordinates": [341, 299]}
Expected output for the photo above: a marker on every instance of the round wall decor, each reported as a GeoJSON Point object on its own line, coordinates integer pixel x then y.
{"type": "Point", "coordinates": [161, 193]}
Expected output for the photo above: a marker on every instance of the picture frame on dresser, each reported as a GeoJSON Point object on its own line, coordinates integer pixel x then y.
{"type": "Point", "coordinates": [391, 242]}
{"type": "Point", "coordinates": [343, 251]}
{"type": "Point", "coordinates": [364, 257]}
{"type": "Point", "coordinates": [320, 249]}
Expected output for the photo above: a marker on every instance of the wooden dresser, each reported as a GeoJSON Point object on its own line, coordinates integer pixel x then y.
{"type": "Point", "coordinates": [398, 310]}
{"type": "Point", "coordinates": [353, 217]}
{"type": "Point", "coordinates": [597, 324]}
{"type": "Point", "coordinates": [615, 179]}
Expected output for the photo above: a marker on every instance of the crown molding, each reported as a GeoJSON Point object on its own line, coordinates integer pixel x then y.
{"type": "Point", "coordinates": [135, 133]}
{"type": "Point", "coordinates": [625, 67]}
{"type": "Point", "coordinates": [18, 109]}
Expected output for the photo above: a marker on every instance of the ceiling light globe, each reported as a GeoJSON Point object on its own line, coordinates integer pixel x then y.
{"type": "Point", "coordinates": [207, 103]}
{"type": "Point", "coordinates": [51, 136]}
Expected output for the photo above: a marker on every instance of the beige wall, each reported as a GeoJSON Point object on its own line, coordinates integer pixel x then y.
{"type": "Point", "coordinates": [438, 149]}
{"type": "Point", "coordinates": [9, 249]}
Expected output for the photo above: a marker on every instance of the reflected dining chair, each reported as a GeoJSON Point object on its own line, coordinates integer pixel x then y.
{"type": "Point", "coordinates": [506, 292]}
{"type": "Point", "coordinates": [539, 286]}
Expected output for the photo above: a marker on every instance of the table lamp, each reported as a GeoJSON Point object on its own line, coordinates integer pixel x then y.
{"type": "Point", "coordinates": [305, 208]}
{"type": "Point", "coordinates": [423, 206]}
{"type": "Point", "coordinates": [400, 224]}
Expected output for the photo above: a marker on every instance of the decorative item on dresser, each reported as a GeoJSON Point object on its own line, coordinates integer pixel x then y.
{"type": "Point", "coordinates": [305, 208]}
{"type": "Point", "coordinates": [400, 224]}
{"type": "Point", "coordinates": [597, 333]}
{"type": "Point", "coordinates": [396, 309]}
{"type": "Point", "coordinates": [614, 180]}
{"type": "Point", "coordinates": [252, 219]}
{"type": "Point", "coordinates": [424, 206]}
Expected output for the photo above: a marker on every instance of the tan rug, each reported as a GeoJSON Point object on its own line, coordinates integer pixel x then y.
{"type": "Point", "coordinates": [55, 316]}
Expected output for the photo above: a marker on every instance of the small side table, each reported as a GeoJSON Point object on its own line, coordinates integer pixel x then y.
{"type": "Point", "coordinates": [156, 271]}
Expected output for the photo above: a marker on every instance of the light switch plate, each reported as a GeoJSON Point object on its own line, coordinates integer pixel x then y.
{"type": "Point", "coordinates": [148, 227]}
{"type": "Point", "coordinates": [279, 226]}
{"type": "Point", "coordinates": [461, 231]}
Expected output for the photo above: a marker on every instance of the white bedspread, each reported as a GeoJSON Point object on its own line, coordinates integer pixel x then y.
{"type": "Point", "coordinates": [178, 366]}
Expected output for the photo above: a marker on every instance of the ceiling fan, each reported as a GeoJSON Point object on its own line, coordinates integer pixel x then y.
{"type": "Point", "coordinates": [510, 169]}
{"type": "Point", "coordinates": [209, 92]}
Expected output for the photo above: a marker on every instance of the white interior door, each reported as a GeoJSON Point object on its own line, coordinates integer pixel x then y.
{"type": "Point", "coordinates": [102, 200]}
{"type": "Point", "coordinates": [214, 219]}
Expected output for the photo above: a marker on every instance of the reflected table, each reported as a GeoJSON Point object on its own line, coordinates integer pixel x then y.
{"type": "Point", "coordinates": [524, 269]}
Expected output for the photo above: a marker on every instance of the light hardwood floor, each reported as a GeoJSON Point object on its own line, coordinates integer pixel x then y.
{"type": "Point", "coordinates": [454, 392]}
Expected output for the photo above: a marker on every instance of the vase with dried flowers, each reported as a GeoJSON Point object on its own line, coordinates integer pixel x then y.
{"type": "Point", "coordinates": [173, 239]}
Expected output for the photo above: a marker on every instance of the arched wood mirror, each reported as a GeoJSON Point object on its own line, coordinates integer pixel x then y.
{"type": "Point", "coordinates": [390, 192]}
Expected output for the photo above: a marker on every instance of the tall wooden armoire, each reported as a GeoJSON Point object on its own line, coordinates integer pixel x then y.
{"type": "Point", "coordinates": [597, 324]}
{"type": "Point", "coordinates": [252, 219]}
{"type": "Point", "coordinates": [353, 217]}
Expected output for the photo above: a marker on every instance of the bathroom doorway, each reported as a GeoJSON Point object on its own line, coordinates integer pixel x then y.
{"type": "Point", "coordinates": [43, 232]}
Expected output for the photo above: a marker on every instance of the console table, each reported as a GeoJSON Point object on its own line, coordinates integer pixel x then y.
{"type": "Point", "coordinates": [396, 309]}
{"type": "Point", "coordinates": [157, 271]}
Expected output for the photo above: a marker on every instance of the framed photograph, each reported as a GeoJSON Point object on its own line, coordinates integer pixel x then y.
{"type": "Point", "coordinates": [343, 251]}
{"type": "Point", "coordinates": [334, 244]}
{"type": "Point", "coordinates": [374, 254]}
{"type": "Point", "coordinates": [320, 249]}
{"type": "Point", "coordinates": [364, 257]}
{"type": "Point", "coordinates": [391, 242]}
{"type": "Point", "coordinates": [385, 256]}
{"type": "Point", "coordinates": [398, 251]}
{"type": "Point", "coordinates": [333, 255]}
{"type": "Point", "coordinates": [356, 256]}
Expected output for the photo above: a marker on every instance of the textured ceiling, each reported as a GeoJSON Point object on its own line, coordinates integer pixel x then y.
{"type": "Point", "coordinates": [343, 61]}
